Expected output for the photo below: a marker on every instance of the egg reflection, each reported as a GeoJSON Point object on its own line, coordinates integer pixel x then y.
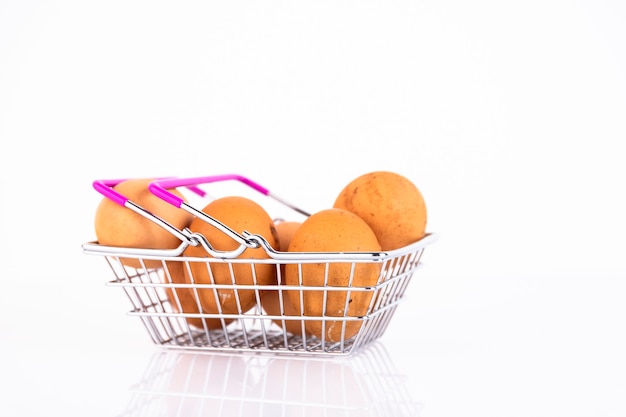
{"type": "Point", "coordinates": [184, 383]}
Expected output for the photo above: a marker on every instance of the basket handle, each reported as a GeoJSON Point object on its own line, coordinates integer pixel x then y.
{"type": "Point", "coordinates": [159, 188]}
{"type": "Point", "coordinates": [105, 187]}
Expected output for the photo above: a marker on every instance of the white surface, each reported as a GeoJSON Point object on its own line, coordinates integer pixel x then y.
{"type": "Point", "coordinates": [508, 116]}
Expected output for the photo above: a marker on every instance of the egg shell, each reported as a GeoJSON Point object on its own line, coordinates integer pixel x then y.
{"type": "Point", "coordinates": [186, 300]}
{"type": "Point", "coordinates": [390, 204]}
{"type": "Point", "coordinates": [271, 302]}
{"type": "Point", "coordinates": [333, 230]}
{"type": "Point", "coordinates": [239, 214]}
{"type": "Point", "coordinates": [119, 226]}
{"type": "Point", "coordinates": [271, 299]}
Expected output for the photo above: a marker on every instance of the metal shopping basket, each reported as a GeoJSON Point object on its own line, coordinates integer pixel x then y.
{"type": "Point", "coordinates": [172, 309]}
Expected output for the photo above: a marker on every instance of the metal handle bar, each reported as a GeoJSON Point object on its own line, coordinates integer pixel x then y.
{"type": "Point", "coordinates": [159, 188]}
{"type": "Point", "coordinates": [105, 187]}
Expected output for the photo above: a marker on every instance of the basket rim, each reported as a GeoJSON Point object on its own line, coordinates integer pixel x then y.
{"type": "Point", "coordinates": [94, 248]}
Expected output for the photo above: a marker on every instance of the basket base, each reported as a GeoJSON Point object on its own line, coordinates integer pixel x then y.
{"type": "Point", "coordinates": [242, 340]}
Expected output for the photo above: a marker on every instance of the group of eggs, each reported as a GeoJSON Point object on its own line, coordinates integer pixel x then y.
{"type": "Point", "coordinates": [377, 211]}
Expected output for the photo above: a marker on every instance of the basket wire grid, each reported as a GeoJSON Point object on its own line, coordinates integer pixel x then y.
{"type": "Point", "coordinates": [172, 312]}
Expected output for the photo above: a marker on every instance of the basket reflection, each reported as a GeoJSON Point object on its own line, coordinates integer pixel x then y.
{"type": "Point", "coordinates": [185, 383]}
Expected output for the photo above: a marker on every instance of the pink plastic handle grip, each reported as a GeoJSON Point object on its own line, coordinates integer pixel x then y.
{"type": "Point", "coordinates": [158, 187]}
{"type": "Point", "coordinates": [105, 187]}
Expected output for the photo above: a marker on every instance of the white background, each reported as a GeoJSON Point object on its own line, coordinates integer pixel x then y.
{"type": "Point", "coordinates": [509, 116]}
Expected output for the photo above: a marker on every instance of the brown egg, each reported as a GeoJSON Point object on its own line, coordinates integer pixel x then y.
{"type": "Point", "coordinates": [185, 300]}
{"type": "Point", "coordinates": [390, 204]}
{"type": "Point", "coordinates": [239, 214]}
{"type": "Point", "coordinates": [270, 299]}
{"type": "Point", "coordinates": [116, 225]}
{"type": "Point", "coordinates": [285, 231]}
{"type": "Point", "coordinates": [333, 230]}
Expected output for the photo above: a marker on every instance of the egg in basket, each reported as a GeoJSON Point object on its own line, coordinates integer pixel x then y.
{"type": "Point", "coordinates": [230, 277]}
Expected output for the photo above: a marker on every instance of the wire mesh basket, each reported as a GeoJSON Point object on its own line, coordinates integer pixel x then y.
{"type": "Point", "coordinates": [181, 310]}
